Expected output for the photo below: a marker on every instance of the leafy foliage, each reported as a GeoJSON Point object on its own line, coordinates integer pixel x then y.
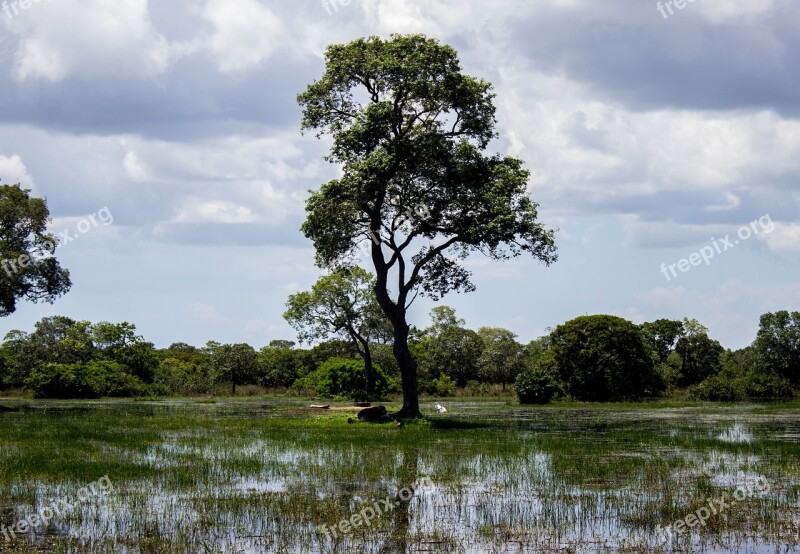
{"type": "Point", "coordinates": [342, 377]}
{"type": "Point", "coordinates": [340, 304]}
{"type": "Point", "coordinates": [502, 357]}
{"type": "Point", "coordinates": [700, 355]}
{"type": "Point", "coordinates": [30, 271]}
{"type": "Point", "coordinates": [777, 344]}
{"type": "Point", "coordinates": [450, 349]}
{"type": "Point", "coordinates": [734, 384]}
{"type": "Point", "coordinates": [91, 380]}
{"type": "Point", "coordinates": [535, 386]}
{"type": "Point", "coordinates": [410, 131]}
{"type": "Point", "coordinates": [602, 358]}
{"type": "Point", "coordinates": [444, 386]}
{"type": "Point", "coordinates": [662, 335]}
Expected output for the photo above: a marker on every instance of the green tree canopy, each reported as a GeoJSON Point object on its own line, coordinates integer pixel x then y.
{"type": "Point", "coordinates": [28, 269]}
{"type": "Point", "coordinates": [701, 356]}
{"type": "Point", "coordinates": [450, 349]}
{"type": "Point", "coordinates": [602, 358]}
{"type": "Point", "coordinates": [502, 357]}
{"type": "Point", "coordinates": [340, 304]}
{"type": "Point", "coordinates": [410, 130]}
{"type": "Point", "coordinates": [662, 335]}
{"type": "Point", "coordinates": [777, 344]}
{"type": "Point", "coordinates": [233, 363]}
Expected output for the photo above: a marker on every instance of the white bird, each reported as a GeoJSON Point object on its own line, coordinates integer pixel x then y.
{"type": "Point", "coordinates": [439, 408]}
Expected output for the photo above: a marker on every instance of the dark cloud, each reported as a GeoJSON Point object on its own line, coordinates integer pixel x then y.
{"type": "Point", "coordinates": [633, 56]}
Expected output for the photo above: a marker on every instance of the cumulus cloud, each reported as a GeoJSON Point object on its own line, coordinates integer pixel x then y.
{"type": "Point", "coordinates": [731, 310]}
{"type": "Point", "coordinates": [245, 33]}
{"type": "Point", "coordinates": [13, 171]}
{"type": "Point", "coordinates": [109, 37]}
{"type": "Point", "coordinates": [784, 240]}
{"type": "Point", "coordinates": [640, 132]}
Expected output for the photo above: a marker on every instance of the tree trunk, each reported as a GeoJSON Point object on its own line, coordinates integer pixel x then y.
{"type": "Point", "coordinates": [369, 374]}
{"type": "Point", "coordinates": [396, 312]}
{"type": "Point", "coordinates": [362, 347]}
{"type": "Point", "coordinates": [408, 371]}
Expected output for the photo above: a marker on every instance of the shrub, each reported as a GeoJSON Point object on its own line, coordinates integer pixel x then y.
{"type": "Point", "coordinates": [718, 388]}
{"type": "Point", "coordinates": [343, 377]}
{"type": "Point", "coordinates": [444, 386]}
{"type": "Point", "coordinates": [535, 386]}
{"type": "Point", "coordinates": [184, 377]}
{"type": "Point", "coordinates": [754, 385]}
{"type": "Point", "coordinates": [767, 385]}
{"type": "Point", "coordinates": [91, 380]}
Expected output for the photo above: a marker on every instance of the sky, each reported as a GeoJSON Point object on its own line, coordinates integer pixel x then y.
{"type": "Point", "coordinates": [166, 138]}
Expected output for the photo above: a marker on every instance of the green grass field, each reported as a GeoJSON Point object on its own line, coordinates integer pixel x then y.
{"type": "Point", "coordinates": [266, 474]}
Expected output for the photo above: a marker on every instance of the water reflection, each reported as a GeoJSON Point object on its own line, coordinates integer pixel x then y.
{"type": "Point", "coordinates": [581, 480]}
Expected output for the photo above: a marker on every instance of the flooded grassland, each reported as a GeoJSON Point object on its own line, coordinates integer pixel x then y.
{"type": "Point", "coordinates": [267, 475]}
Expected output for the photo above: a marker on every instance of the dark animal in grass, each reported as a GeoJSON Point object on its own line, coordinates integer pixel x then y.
{"type": "Point", "coordinates": [375, 414]}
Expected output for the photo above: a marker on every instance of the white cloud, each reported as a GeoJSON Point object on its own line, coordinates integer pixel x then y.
{"type": "Point", "coordinates": [588, 155]}
{"type": "Point", "coordinates": [208, 315]}
{"type": "Point", "coordinates": [731, 10]}
{"type": "Point", "coordinates": [245, 33]}
{"type": "Point", "coordinates": [783, 240]}
{"type": "Point", "coordinates": [731, 311]}
{"type": "Point", "coordinates": [13, 171]}
{"type": "Point", "coordinates": [36, 59]}
{"type": "Point", "coordinates": [134, 168]}
{"type": "Point", "coordinates": [215, 212]}
{"type": "Point", "coordinates": [109, 37]}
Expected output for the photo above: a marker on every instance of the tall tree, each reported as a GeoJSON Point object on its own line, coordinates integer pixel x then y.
{"type": "Point", "coordinates": [603, 358]}
{"type": "Point", "coordinates": [410, 130]}
{"type": "Point", "coordinates": [502, 357]}
{"type": "Point", "coordinates": [340, 304]}
{"type": "Point", "coordinates": [701, 356]}
{"type": "Point", "coordinates": [450, 348]}
{"type": "Point", "coordinates": [777, 345]}
{"type": "Point", "coordinates": [662, 335]}
{"type": "Point", "coordinates": [28, 269]}
{"type": "Point", "coordinates": [233, 363]}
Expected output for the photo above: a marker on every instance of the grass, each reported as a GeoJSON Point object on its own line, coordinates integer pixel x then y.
{"type": "Point", "coordinates": [262, 474]}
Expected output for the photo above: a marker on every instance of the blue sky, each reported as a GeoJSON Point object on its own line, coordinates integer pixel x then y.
{"type": "Point", "coordinates": [646, 137]}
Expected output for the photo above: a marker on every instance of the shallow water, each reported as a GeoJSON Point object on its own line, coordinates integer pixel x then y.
{"type": "Point", "coordinates": [229, 477]}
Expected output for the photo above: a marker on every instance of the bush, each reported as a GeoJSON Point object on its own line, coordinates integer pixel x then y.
{"type": "Point", "coordinates": [343, 377]}
{"type": "Point", "coordinates": [754, 385]}
{"type": "Point", "coordinates": [767, 385]}
{"type": "Point", "coordinates": [535, 386]}
{"type": "Point", "coordinates": [184, 377]}
{"type": "Point", "coordinates": [444, 386]}
{"type": "Point", "coordinates": [91, 380]}
{"type": "Point", "coordinates": [718, 389]}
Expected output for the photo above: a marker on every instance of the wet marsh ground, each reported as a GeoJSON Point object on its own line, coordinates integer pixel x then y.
{"type": "Point", "coordinates": [269, 475]}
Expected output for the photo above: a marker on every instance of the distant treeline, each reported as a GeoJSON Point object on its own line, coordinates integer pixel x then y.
{"type": "Point", "coordinates": [591, 358]}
